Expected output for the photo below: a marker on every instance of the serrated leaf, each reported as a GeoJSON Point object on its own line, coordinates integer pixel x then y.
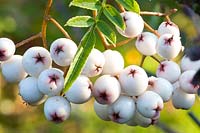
{"type": "Point", "coordinates": [106, 31]}
{"type": "Point", "coordinates": [86, 45]}
{"type": "Point", "coordinates": [130, 5]}
{"type": "Point", "coordinates": [87, 4]}
{"type": "Point", "coordinates": [114, 16]}
{"type": "Point", "coordinates": [80, 21]}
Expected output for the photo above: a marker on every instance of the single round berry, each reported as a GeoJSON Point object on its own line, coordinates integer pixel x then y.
{"type": "Point", "coordinates": [13, 70]}
{"type": "Point", "coordinates": [106, 89]}
{"type": "Point", "coordinates": [7, 49]}
{"type": "Point", "coordinates": [134, 24]}
{"type": "Point", "coordinates": [51, 81]}
{"type": "Point", "coordinates": [62, 51]}
{"type": "Point", "coordinates": [122, 110]}
{"type": "Point", "coordinates": [185, 81]}
{"type": "Point", "coordinates": [57, 109]}
{"type": "Point", "coordinates": [146, 43]}
{"type": "Point", "coordinates": [80, 91]}
{"type": "Point", "coordinates": [114, 62]}
{"type": "Point", "coordinates": [162, 87]}
{"type": "Point", "coordinates": [133, 80]}
{"type": "Point", "coordinates": [182, 100]}
{"type": "Point", "coordinates": [29, 91]}
{"type": "Point", "coordinates": [101, 111]}
{"type": "Point", "coordinates": [168, 70]}
{"type": "Point", "coordinates": [168, 27]}
{"type": "Point", "coordinates": [168, 46]}
{"type": "Point", "coordinates": [35, 60]}
{"type": "Point", "coordinates": [94, 64]}
{"type": "Point", "coordinates": [188, 64]}
{"type": "Point", "coordinates": [149, 104]}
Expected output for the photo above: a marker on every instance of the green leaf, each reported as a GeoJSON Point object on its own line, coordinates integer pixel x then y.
{"type": "Point", "coordinates": [86, 45]}
{"type": "Point", "coordinates": [107, 31]}
{"type": "Point", "coordinates": [87, 4]}
{"type": "Point", "coordinates": [80, 21]}
{"type": "Point", "coordinates": [114, 16]}
{"type": "Point", "coordinates": [130, 5]}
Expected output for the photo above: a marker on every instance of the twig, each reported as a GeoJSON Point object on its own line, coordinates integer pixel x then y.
{"type": "Point", "coordinates": [194, 118]}
{"type": "Point", "coordinates": [155, 59]}
{"type": "Point", "coordinates": [44, 23]}
{"type": "Point", "coordinates": [147, 26]}
{"type": "Point", "coordinates": [28, 40]}
{"type": "Point", "coordinates": [165, 128]}
{"type": "Point", "coordinates": [103, 39]}
{"type": "Point", "coordinates": [121, 8]}
{"type": "Point", "coordinates": [159, 14]}
{"type": "Point", "coordinates": [142, 60]}
{"type": "Point", "coordinates": [121, 43]}
{"type": "Point", "coordinates": [59, 27]}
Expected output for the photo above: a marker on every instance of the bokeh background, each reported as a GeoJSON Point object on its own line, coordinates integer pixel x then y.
{"type": "Point", "coordinates": [20, 19]}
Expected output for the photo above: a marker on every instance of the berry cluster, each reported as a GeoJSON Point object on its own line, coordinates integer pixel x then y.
{"type": "Point", "coordinates": [123, 95]}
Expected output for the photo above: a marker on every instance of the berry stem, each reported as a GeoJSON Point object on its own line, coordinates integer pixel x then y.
{"type": "Point", "coordinates": [121, 8]}
{"type": "Point", "coordinates": [39, 35]}
{"type": "Point", "coordinates": [147, 26]}
{"type": "Point", "coordinates": [155, 59]}
{"type": "Point", "coordinates": [159, 14]}
{"type": "Point", "coordinates": [44, 23]}
{"type": "Point", "coordinates": [120, 43]}
{"type": "Point", "coordinates": [142, 60]}
{"type": "Point", "coordinates": [59, 27]}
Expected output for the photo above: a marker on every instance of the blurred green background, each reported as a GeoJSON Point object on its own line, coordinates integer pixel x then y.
{"type": "Point", "coordinates": [19, 19]}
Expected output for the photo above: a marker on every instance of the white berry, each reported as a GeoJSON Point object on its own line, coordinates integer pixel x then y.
{"type": "Point", "coordinates": [114, 62]}
{"type": "Point", "coordinates": [168, 46]}
{"type": "Point", "coordinates": [134, 24]}
{"type": "Point", "coordinates": [7, 49]}
{"type": "Point", "coordinates": [29, 91]}
{"type": "Point", "coordinates": [13, 70]}
{"type": "Point", "coordinates": [35, 60]}
{"type": "Point", "coordinates": [62, 51]}
{"type": "Point", "coordinates": [122, 110]}
{"type": "Point", "coordinates": [134, 80]}
{"type": "Point", "coordinates": [106, 89]}
{"type": "Point", "coordinates": [57, 109]}
{"type": "Point", "coordinates": [187, 64]}
{"type": "Point", "coordinates": [80, 91]}
{"type": "Point", "coordinates": [168, 27]}
{"type": "Point", "coordinates": [146, 43]}
{"type": "Point", "coordinates": [168, 70]}
{"type": "Point", "coordinates": [149, 104]}
{"type": "Point", "coordinates": [94, 64]}
{"type": "Point", "coordinates": [101, 111]}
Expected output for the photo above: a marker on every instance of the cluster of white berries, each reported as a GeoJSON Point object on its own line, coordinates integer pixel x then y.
{"type": "Point", "coordinates": [123, 95]}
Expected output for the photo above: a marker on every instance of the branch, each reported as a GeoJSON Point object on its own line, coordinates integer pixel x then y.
{"type": "Point", "coordinates": [59, 27]}
{"type": "Point", "coordinates": [28, 40]}
{"type": "Point", "coordinates": [147, 26]}
{"type": "Point", "coordinates": [44, 23]}
{"type": "Point", "coordinates": [120, 43]}
{"type": "Point", "coordinates": [155, 59]}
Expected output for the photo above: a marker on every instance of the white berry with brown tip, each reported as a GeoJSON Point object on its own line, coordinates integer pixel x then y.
{"type": "Point", "coordinates": [134, 24]}
{"type": "Point", "coordinates": [185, 82]}
{"type": "Point", "coordinates": [187, 64]}
{"type": "Point", "coordinates": [51, 81]}
{"type": "Point", "coordinates": [62, 51]}
{"type": "Point", "coordinates": [149, 104]}
{"type": "Point", "coordinates": [80, 91]}
{"type": "Point", "coordinates": [146, 43]}
{"type": "Point", "coordinates": [162, 87]}
{"type": "Point", "coordinates": [29, 91]}
{"type": "Point", "coordinates": [114, 62]}
{"type": "Point", "coordinates": [13, 70]}
{"type": "Point", "coordinates": [35, 60]}
{"type": "Point", "coordinates": [122, 110]}
{"type": "Point", "coordinates": [57, 109]}
{"type": "Point", "coordinates": [101, 110]}
{"type": "Point", "coordinates": [94, 64]}
{"type": "Point", "coordinates": [106, 89]}
{"type": "Point", "coordinates": [168, 46]}
{"type": "Point", "coordinates": [133, 80]}
{"type": "Point", "coordinates": [182, 100]}
{"type": "Point", "coordinates": [7, 49]}
{"type": "Point", "coordinates": [169, 70]}
{"type": "Point", "coordinates": [168, 27]}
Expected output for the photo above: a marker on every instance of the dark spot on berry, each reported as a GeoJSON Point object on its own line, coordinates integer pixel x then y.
{"type": "Point", "coordinates": [38, 58]}
{"type": "Point", "coordinates": [53, 78]}
{"type": "Point", "coordinates": [104, 96]}
{"type": "Point", "coordinates": [98, 68]}
{"type": "Point", "coordinates": [169, 40]}
{"type": "Point", "coordinates": [90, 85]}
{"type": "Point", "coordinates": [141, 38]}
{"type": "Point", "coordinates": [59, 49]}
{"type": "Point", "coordinates": [56, 118]}
{"type": "Point", "coordinates": [168, 24]}
{"type": "Point", "coordinates": [162, 67]}
{"type": "Point", "coordinates": [151, 83]}
{"type": "Point", "coordinates": [132, 72]}
{"type": "Point", "coordinates": [115, 116]}
{"type": "Point", "coordinates": [2, 53]}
